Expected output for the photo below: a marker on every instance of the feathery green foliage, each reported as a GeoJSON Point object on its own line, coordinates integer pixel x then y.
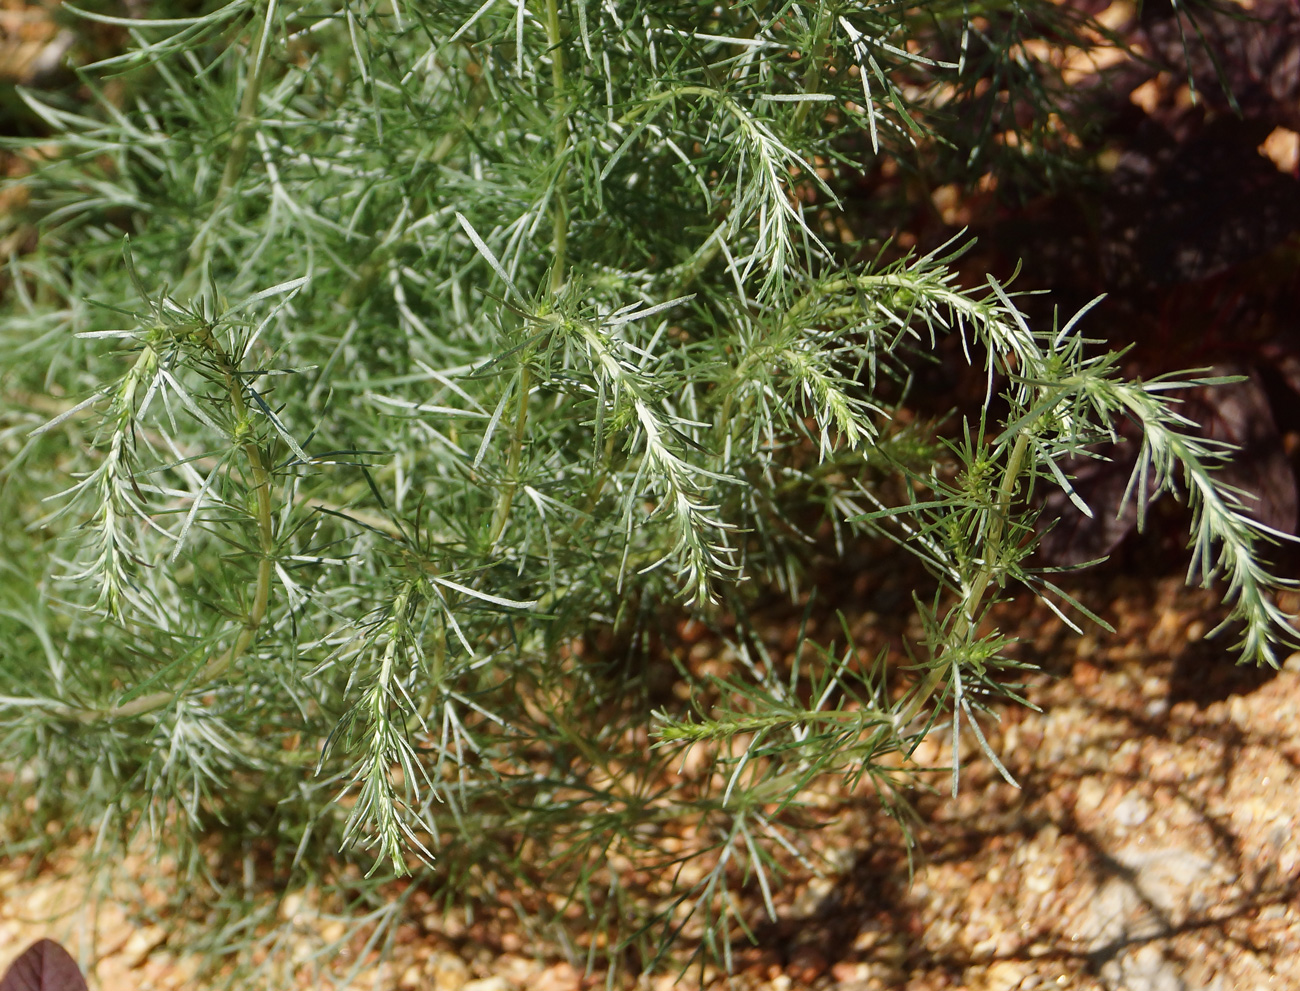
{"type": "Point", "coordinates": [387, 373]}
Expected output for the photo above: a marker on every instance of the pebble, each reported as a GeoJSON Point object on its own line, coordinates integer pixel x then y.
{"type": "Point", "coordinates": [446, 971]}
{"type": "Point", "coordinates": [496, 983]}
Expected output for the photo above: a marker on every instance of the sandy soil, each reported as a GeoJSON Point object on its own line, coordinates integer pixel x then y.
{"type": "Point", "coordinates": [1151, 846]}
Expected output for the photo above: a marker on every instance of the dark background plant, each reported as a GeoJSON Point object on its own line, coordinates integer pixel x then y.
{"type": "Point", "coordinates": [385, 385]}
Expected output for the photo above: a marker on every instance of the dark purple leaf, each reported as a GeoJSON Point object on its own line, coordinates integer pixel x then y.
{"type": "Point", "coordinates": [1238, 413]}
{"type": "Point", "coordinates": [1074, 538]}
{"type": "Point", "coordinates": [1252, 53]}
{"type": "Point", "coordinates": [44, 966]}
{"type": "Point", "coordinates": [1188, 210]}
{"type": "Point", "coordinates": [1281, 356]}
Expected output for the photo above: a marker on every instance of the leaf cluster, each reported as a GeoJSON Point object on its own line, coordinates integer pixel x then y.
{"type": "Point", "coordinates": [388, 376]}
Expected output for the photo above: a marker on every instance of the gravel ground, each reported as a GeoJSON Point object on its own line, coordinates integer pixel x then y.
{"type": "Point", "coordinates": [1151, 846]}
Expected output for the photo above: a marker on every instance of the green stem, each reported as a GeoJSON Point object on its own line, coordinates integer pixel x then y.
{"type": "Point", "coordinates": [812, 77]}
{"type": "Point", "coordinates": [594, 493]}
{"type": "Point", "coordinates": [560, 215]}
{"type": "Point", "coordinates": [668, 94]}
{"type": "Point", "coordinates": [966, 621]}
{"type": "Point", "coordinates": [559, 264]}
{"type": "Point", "coordinates": [256, 615]}
{"type": "Point", "coordinates": [245, 122]}
{"type": "Point", "coordinates": [245, 127]}
{"type": "Point", "coordinates": [507, 497]}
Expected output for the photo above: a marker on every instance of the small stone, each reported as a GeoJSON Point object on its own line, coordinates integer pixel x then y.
{"type": "Point", "coordinates": [558, 977]}
{"type": "Point", "coordinates": [1148, 970]}
{"type": "Point", "coordinates": [806, 965]}
{"type": "Point", "coordinates": [813, 896]}
{"type": "Point", "coordinates": [1005, 975]}
{"type": "Point", "coordinates": [1091, 792]}
{"type": "Point", "coordinates": [1132, 810]}
{"type": "Point", "coordinates": [1085, 674]}
{"type": "Point", "coordinates": [487, 984]}
{"type": "Point", "coordinates": [115, 930]}
{"type": "Point", "coordinates": [290, 906]}
{"type": "Point", "coordinates": [447, 972]}
{"type": "Point", "coordinates": [844, 971]}
{"type": "Point", "coordinates": [141, 943]}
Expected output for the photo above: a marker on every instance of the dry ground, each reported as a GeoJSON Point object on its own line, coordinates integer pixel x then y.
{"type": "Point", "coordinates": [1151, 847]}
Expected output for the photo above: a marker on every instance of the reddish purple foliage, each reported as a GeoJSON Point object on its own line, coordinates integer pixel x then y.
{"type": "Point", "coordinates": [44, 966]}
